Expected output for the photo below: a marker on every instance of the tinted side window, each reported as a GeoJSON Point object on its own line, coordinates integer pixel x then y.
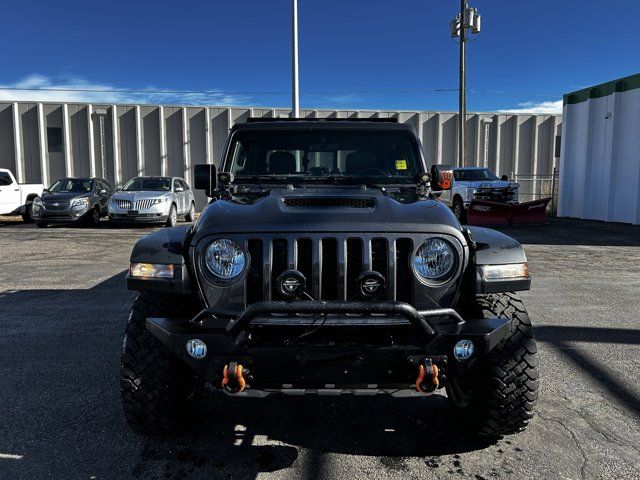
{"type": "Point", "coordinates": [5, 179]}
{"type": "Point", "coordinates": [184, 185]}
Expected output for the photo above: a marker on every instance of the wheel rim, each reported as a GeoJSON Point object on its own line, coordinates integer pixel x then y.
{"type": "Point", "coordinates": [456, 210]}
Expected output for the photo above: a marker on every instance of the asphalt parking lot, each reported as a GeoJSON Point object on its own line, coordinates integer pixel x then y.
{"type": "Point", "coordinates": [63, 307]}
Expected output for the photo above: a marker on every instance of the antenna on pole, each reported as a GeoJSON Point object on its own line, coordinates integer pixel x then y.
{"type": "Point", "coordinates": [295, 98]}
{"type": "Point", "coordinates": [468, 18]}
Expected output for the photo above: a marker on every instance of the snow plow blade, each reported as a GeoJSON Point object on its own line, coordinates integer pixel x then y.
{"type": "Point", "coordinates": [484, 212]}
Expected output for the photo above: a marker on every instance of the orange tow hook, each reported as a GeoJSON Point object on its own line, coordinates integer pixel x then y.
{"type": "Point", "coordinates": [232, 378]}
{"type": "Point", "coordinates": [427, 380]}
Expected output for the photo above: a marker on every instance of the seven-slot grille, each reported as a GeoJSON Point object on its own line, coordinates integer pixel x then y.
{"type": "Point", "coordinates": [331, 264]}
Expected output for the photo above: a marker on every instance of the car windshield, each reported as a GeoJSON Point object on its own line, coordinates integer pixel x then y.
{"type": "Point", "coordinates": [142, 184]}
{"type": "Point", "coordinates": [374, 156]}
{"type": "Point", "coordinates": [474, 174]}
{"type": "Point", "coordinates": [72, 185]}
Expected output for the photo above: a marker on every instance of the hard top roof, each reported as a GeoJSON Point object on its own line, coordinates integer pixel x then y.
{"type": "Point", "coordinates": [323, 123]}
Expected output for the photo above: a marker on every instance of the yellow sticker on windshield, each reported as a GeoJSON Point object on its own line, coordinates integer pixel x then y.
{"type": "Point", "coordinates": [401, 164]}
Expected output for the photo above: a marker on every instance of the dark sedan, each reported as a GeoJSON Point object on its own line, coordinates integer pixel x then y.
{"type": "Point", "coordinates": [73, 200]}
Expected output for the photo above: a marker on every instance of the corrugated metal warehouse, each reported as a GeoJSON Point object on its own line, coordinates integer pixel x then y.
{"type": "Point", "coordinates": [44, 141]}
{"type": "Point", "coordinates": [600, 169]}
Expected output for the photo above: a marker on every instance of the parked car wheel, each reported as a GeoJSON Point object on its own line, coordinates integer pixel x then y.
{"type": "Point", "coordinates": [191, 216]}
{"type": "Point", "coordinates": [459, 211]}
{"type": "Point", "coordinates": [172, 219]}
{"type": "Point", "coordinates": [160, 393]}
{"type": "Point", "coordinates": [28, 210]}
{"type": "Point", "coordinates": [498, 395]}
{"type": "Point", "coordinates": [93, 217]}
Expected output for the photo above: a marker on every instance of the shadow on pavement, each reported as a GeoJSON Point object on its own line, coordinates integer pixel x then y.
{"type": "Point", "coordinates": [63, 413]}
{"type": "Point", "coordinates": [570, 231]}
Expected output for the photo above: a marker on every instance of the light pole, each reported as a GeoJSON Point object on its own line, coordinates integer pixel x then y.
{"type": "Point", "coordinates": [468, 18]}
{"type": "Point", "coordinates": [295, 99]}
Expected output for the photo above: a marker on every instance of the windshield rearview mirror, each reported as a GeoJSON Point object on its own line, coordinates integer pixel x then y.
{"type": "Point", "coordinates": [204, 176]}
{"type": "Point", "coordinates": [441, 177]}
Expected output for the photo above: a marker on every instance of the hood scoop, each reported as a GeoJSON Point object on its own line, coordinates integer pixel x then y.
{"type": "Point", "coordinates": [329, 202]}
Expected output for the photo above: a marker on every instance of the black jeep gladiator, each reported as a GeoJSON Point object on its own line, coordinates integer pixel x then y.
{"type": "Point", "coordinates": [324, 263]}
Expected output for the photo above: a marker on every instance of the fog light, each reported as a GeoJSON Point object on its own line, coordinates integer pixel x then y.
{"type": "Point", "coordinates": [197, 348]}
{"type": "Point", "coordinates": [463, 349]}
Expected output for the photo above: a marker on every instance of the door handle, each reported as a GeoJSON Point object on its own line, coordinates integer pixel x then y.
{"type": "Point", "coordinates": [16, 189]}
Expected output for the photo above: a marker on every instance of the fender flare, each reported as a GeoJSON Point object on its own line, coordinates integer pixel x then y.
{"type": "Point", "coordinates": [167, 246]}
{"type": "Point", "coordinates": [496, 248]}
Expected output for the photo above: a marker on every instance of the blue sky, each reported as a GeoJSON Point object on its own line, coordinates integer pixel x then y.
{"type": "Point", "coordinates": [353, 53]}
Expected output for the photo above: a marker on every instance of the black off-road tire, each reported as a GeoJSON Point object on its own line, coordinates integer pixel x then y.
{"type": "Point", "coordinates": [160, 393]}
{"type": "Point", "coordinates": [498, 396]}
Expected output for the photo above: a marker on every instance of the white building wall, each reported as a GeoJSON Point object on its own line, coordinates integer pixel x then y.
{"type": "Point", "coordinates": [167, 139]}
{"type": "Point", "coordinates": [600, 159]}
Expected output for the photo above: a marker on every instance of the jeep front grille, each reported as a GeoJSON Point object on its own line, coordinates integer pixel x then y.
{"type": "Point", "coordinates": [331, 264]}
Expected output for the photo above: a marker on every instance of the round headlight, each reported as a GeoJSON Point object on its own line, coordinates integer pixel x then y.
{"type": "Point", "coordinates": [434, 259]}
{"type": "Point", "coordinates": [225, 259]}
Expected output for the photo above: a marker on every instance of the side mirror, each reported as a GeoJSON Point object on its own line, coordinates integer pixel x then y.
{"type": "Point", "coordinates": [102, 192]}
{"type": "Point", "coordinates": [441, 177]}
{"type": "Point", "coordinates": [204, 178]}
{"type": "Point", "coordinates": [118, 189]}
{"type": "Point", "coordinates": [179, 189]}
{"type": "Point", "coordinates": [504, 177]}
{"type": "Point", "coordinates": [45, 190]}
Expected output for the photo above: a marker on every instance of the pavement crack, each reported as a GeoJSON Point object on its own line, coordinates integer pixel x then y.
{"type": "Point", "coordinates": [583, 468]}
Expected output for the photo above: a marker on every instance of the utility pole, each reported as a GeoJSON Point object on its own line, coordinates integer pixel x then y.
{"type": "Point", "coordinates": [468, 18]}
{"type": "Point", "coordinates": [295, 98]}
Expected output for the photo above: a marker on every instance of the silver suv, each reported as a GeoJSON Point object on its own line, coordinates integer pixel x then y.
{"type": "Point", "coordinates": [153, 200]}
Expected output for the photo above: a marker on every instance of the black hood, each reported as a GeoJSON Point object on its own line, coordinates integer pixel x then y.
{"type": "Point", "coordinates": [337, 209]}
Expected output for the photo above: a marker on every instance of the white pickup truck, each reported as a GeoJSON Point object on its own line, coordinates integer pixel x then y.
{"type": "Point", "coordinates": [480, 183]}
{"type": "Point", "coordinates": [16, 198]}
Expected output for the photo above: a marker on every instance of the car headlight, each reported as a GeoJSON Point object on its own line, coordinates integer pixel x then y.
{"type": "Point", "coordinates": [434, 259]}
{"type": "Point", "coordinates": [80, 202]}
{"type": "Point", "coordinates": [225, 259]}
{"type": "Point", "coordinates": [156, 201]}
{"type": "Point", "coordinates": [470, 192]}
{"type": "Point", "coordinates": [37, 201]}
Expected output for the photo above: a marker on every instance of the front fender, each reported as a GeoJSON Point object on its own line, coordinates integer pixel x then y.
{"type": "Point", "coordinates": [496, 248]}
{"type": "Point", "coordinates": [166, 246]}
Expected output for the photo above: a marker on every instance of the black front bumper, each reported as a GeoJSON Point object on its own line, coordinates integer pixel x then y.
{"type": "Point", "coordinates": [348, 363]}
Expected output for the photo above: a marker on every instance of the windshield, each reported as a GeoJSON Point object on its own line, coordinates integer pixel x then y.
{"type": "Point", "coordinates": [142, 184]}
{"type": "Point", "coordinates": [475, 174]}
{"type": "Point", "coordinates": [72, 185]}
{"type": "Point", "coordinates": [377, 156]}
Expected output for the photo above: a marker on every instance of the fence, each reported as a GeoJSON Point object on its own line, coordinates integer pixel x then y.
{"type": "Point", "coordinates": [533, 187]}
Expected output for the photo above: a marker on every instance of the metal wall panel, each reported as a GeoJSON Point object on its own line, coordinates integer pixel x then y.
{"type": "Point", "coordinates": [7, 147]}
{"type": "Point", "coordinates": [600, 166]}
{"type": "Point", "coordinates": [169, 140]}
